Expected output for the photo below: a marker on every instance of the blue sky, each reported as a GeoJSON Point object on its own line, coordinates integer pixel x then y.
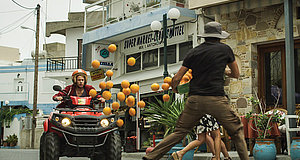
{"type": "Point", "coordinates": [13, 16]}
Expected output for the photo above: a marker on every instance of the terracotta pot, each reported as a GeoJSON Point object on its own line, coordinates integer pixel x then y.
{"type": "Point", "coordinates": [5, 144]}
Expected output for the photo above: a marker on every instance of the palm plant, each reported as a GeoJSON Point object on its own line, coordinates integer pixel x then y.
{"type": "Point", "coordinates": [165, 115]}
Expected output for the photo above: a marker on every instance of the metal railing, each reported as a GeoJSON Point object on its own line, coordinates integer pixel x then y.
{"type": "Point", "coordinates": [63, 63]}
{"type": "Point", "coordinates": [105, 12]}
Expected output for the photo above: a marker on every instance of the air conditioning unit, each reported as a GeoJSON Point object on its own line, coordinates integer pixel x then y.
{"type": "Point", "coordinates": [42, 54]}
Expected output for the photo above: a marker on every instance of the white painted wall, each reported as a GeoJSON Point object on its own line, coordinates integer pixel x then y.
{"type": "Point", "coordinates": [9, 91]}
{"type": "Point", "coordinates": [72, 35]}
{"type": "Point", "coordinates": [15, 128]}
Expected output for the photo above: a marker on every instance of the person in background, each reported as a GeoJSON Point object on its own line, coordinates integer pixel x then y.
{"type": "Point", "coordinates": [208, 125]}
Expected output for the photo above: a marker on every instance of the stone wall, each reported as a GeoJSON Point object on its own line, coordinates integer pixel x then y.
{"type": "Point", "coordinates": [247, 29]}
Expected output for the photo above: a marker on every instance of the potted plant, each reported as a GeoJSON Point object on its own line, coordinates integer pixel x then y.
{"type": "Point", "coordinates": [264, 148]}
{"type": "Point", "coordinates": [12, 140]}
{"type": "Point", "coordinates": [6, 114]}
{"type": "Point", "coordinates": [165, 115]}
{"type": "Point", "coordinates": [295, 146]}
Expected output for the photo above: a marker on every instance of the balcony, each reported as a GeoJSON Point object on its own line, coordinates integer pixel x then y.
{"type": "Point", "coordinates": [108, 12]}
{"type": "Point", "coordinates": [63, 63]}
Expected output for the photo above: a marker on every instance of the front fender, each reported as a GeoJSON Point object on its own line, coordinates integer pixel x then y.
{"type": "Point", "coordinates": [46, 125]}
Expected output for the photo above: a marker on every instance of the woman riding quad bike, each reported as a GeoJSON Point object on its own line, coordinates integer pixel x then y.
{"type": "Point", "coordinates": [75, 129]}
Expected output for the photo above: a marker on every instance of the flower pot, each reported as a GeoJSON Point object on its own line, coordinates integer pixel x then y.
{"type": "Point", "coordinates": [12, 144]}
{"type": "Point", "coordinates": [295, 148]}
{"type": "Point", "coordinates": [5, 143]}
{"type": "Point", "coordinates": [264, 149]}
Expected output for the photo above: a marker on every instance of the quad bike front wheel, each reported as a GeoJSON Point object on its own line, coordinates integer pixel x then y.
{"type": "Point", "coordinates": [112, 148]}
{"type": "Point", "coordinates": [50, 147]}
{"type": "Point", "coordinates": [42, 147]}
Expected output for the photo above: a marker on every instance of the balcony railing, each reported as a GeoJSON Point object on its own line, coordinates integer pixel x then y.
{"type": "Point", "coordinates": [105, 12]}
{"type": "Point", "coordinates": [63, 63]}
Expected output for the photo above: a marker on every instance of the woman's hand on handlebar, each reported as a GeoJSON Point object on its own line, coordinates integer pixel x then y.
{"type": "Point", "coordinates": [59, 98]}
{"type": "Point", "coordinates": [102, 100]}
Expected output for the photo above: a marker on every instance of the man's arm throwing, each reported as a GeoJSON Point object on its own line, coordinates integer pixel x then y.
{"type": "Point", "coordinates": [176, 79]}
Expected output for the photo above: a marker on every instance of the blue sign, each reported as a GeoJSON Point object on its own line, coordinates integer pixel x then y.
{"type": "Point", "coordinates": [104, 53]}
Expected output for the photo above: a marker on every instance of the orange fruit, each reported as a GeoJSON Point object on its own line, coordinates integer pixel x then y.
{"type": "Point", "coordinates": [112, 48]}
{"type": "Point", "coordinates": [106, 95]}
{"type": "Point", "coordinates": [165, 86]}
{"type": "Point", "coordinates": [109, 73]}
{"type": "Point", "coordinates": [109, 84]}
{"type": "Point", "coordinates": [189, 75]}
{"type": "Point", "coordinates": [126, 91]}
{"type": "Point", "coordinates": [132, 111]}
{"type": "Point", "coordinates": [95, 64]}
{"type": "Point", "coordinates": [155, 87]}
{"type": "Point", "coordinates": [190, 70]}
{"type": "Point", "coordinates": [130, 99]}
{"type": "Point", "coordinates": [166, 97]}
{"type": "Point", "coordinates": [125, 84]}
{"type": "Point", "coordinates": [134, 88]}
{"type": "Point", "coordinates": [107, 111]}
{"type": "Point", "coordinates": [131, 61]}
{"type": "Point", "coordinates": [120, 122]}
{"type": "Point", "coordinates": [121, 96]}
{"type": "Point", "coordinates": [185, 78]}
{"type": "Point", "coordinates": [168, 80]}
{"type": "Point", "coordinates": [102, 85]}
{"type": "Point", "coordinates": [130, 104]}
{"type": "Point", "coordinates": [182, 82]}
{"type": "Point", "coordinates": [141, 104]}
{"type": "Point", "coordinates": [93, 93]}
{"type": "Point", "coordinates": [115, 105]}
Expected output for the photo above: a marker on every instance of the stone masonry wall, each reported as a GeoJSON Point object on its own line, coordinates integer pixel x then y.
{"type": "Point", "coordinates": [247, 28]}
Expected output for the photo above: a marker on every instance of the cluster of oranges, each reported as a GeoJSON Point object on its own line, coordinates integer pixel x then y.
{"type": "Point", "coordinates": [165, 86]}
{"type": "Point", "coordinates": [107, 85]}
{"type": "Point", "coordinates": [187, 77]}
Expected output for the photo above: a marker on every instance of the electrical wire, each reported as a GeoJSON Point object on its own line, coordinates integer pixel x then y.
{"type": "Point", "coordinates": [21, 5]}
{"type": "Point", "coordinates": [10, 25]}
{"type": "Point", "coordinates": [1, 33]}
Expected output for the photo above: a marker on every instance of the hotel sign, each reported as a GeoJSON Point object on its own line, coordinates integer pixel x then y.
{"type": "Point", "coordinates": [149, 41]}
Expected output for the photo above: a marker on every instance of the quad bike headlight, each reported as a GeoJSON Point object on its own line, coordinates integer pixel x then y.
{"type": "Point", "coordinates": [65, 122]}
{"type": "Point", "coordinates": [104, 122]}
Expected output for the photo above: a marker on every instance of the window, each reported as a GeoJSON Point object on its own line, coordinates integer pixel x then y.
{"type": "Point", "coordinates": [150, 58]}
{"type": "Point", "coordinates": [137, 65]}
{"type": "Point", "coordinates": [272, 73]}
{"type": "Point", "coordinates": [20, 86]}
{"type": "Point", "coordinates": [184, 48]}
{"type": "Point", "coordinates": [273, 77]}
{"type": "Point", "coordinates": [171, 55]}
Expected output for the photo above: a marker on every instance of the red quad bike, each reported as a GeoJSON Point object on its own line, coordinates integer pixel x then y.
{"type": "Point", "coordinates": [80, 131]}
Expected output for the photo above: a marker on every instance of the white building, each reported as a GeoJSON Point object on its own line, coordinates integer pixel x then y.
{"type": "Point", "coordinates": [17, 81]}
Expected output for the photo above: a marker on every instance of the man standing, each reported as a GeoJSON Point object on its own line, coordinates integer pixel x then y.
{"type": "Point", "coordinates": [206, 95]}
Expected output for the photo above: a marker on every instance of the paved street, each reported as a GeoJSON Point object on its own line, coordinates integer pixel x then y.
{"type": "Point", "coordinates": [33, 154]}
{"type": "Point", "coordinates": [29, 154]}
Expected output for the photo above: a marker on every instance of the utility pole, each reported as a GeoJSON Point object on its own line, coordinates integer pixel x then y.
{"type": "Point", "coordinates": [36, 71]}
